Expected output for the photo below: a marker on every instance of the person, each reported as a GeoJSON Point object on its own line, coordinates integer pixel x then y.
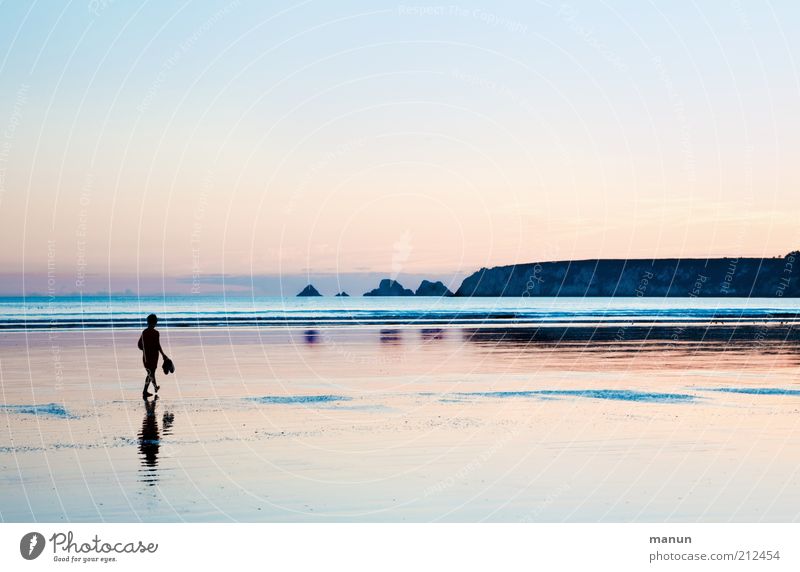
{"type": "Point", "coordinates": [150, 344]}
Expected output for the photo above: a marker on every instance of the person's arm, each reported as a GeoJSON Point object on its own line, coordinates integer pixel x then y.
{"type": "Point", "coordinates": [140, 344]}
{"type": "Point", "coordinates": [159, 348]}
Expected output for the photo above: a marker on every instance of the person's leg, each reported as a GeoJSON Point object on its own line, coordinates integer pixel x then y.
{"type": "Point", "coordinates": [147, 381]}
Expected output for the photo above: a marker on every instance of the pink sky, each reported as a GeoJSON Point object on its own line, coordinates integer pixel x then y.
{"type": "Point", "coordinates": [344, 141]}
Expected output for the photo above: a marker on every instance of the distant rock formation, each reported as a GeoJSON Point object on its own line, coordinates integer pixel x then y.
{"type": "Point", "coordinates": [342, 295]}
{"type": "Point", "coordinates": [309, 291]}
{"type": "Point", "coordinates": [666, 277]}
{"type": "Point", "coordinates": [428, 288]}
{"type": "Point", "coordinates": [389, 287]}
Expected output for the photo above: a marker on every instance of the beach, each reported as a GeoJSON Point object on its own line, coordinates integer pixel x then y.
{"type": "Point", "coordinates": [403, 422]}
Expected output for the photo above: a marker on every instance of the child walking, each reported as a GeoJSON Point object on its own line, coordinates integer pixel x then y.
{"type": "Point", "coordinates": [150, 344]}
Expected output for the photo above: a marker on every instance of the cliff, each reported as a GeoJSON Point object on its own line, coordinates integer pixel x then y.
{"type": "Point", "coordinates": [667, 277]}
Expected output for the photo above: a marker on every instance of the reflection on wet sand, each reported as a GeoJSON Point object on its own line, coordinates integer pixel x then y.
{"type": "Point", "coordinates": [361, 426]}
{"type": "Point", "coordinates": [432, 334]}
{"type": "Point", "coordinates": [391, 336]}
{"type": "Point", "coordinates": [150, 440]}
{"type": "Point", "coordinates": [683, 349]}
{"type": "Point", "coordinates": [711, 338]}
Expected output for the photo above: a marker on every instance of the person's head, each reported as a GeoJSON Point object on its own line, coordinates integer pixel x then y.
{"type": "Point", "coordinates": [152, 320]}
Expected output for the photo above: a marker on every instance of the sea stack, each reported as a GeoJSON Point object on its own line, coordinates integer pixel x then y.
{"type": "Point", "coordinates": [309, 291]}
{"type": "Point", "coordinates": [342, 295]}
{"type": "Point", "coordinates": [428, 288]}
{"type": "Point", "coordinates": [389, 287]}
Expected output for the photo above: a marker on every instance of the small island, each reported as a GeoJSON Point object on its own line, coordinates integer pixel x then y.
{"type": "Point", "coordinates": [342, 295]}
{"type": "Point", "coordinates": [428, 288]}
{"type": "Point", "coordinates": [389, 287]}
{"type": "Point", "coordinates": [309, 291]}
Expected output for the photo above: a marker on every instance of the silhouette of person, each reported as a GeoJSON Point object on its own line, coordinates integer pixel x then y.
{"type": "Point", "coordinates": [149, 440]}
{"type": "Point", "coordinates": [150, 344]}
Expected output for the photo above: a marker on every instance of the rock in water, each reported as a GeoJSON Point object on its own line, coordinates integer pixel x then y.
{"type": "Point", "coordinates": [428, 288]}
{"type": "Point", "coordinates": [342, 295]}
{"type": "Point", "coordinates": [389, 287]}
{"type": "Point", "coordinates": [309, 291]}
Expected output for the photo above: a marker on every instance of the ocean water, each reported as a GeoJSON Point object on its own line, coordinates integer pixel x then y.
{"type": "Point", "coordinates": [188, 311]}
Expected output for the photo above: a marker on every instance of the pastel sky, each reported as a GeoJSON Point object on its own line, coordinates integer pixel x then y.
{"type": "Point", "coordinates": [142, 143]}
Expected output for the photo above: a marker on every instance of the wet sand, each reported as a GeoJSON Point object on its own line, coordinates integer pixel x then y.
{"type": "Point", "coordinates": [403, 424]}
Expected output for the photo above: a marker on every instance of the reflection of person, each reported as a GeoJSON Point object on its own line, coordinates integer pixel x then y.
{"type": "Point", "coordinates": [168, 419]}
{"type": "Point", "coordinates": [150, 344]}
{"type": "Point", "coordinates": [149, 439]}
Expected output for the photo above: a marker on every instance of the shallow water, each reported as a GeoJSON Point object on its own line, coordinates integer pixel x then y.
{"type": "Point", "coordinates": [403, 423]}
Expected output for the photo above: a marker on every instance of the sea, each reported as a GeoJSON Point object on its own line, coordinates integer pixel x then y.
{"type": "Point", "coordinates": [17, 313]}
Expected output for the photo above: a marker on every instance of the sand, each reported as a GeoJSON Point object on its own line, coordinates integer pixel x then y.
{"type": "Point", "coordinates": [397, 424]}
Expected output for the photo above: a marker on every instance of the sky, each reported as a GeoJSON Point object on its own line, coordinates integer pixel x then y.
{"type": "Point", "coordinates": [191, 147]}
